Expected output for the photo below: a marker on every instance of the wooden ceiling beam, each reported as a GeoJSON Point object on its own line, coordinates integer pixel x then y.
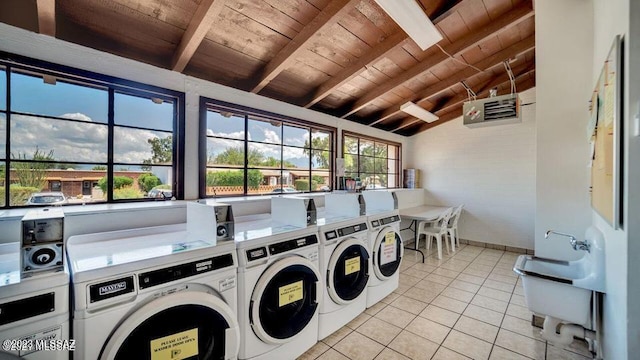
{"type": "Point", "coordinates": [377, 53]}
{"type": "Point", "coordinates": [198, 28]}
{"type": "Point", "coordinates": [526, 83]}
{"type": "Point", "coordinates": [328, 17]}
{"type": "Point", "coordinates": [46, 17]}
{"type": "Point", "coordinates": [484, 64]}
{"type": "Point", "coordinates": [454, 102]}
{"type": "Point", "coordinates": [520, 13]}
{"type": "Point", "coordinates": [347, 74]}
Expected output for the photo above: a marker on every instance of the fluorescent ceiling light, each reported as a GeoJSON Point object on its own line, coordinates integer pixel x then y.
{"type": "Point", "coordinates": [415, 110]}
{"type": "Point", "coordinates": [412, 19]}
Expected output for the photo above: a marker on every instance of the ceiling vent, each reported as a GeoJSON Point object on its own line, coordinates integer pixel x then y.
{"type": "Point", "coordinates": [497, 110]}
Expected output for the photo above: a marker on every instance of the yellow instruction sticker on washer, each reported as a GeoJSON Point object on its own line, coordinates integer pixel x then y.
{"type": "Point", "coordinates": [290, 293]}
{"type": "Point", "coordinates": [178, 346]}
{"type": "Point", "coordinates": [352, 265]}
{"type": "Point", "coordinates": [390, 238]}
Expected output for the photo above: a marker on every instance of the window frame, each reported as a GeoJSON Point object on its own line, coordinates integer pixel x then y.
{"type": "Point", "coordinates": [248, 112]}
{"type": "Point", "coordinates": [398, 173]}
{"type": "Point", "coordinates": [112, 85]}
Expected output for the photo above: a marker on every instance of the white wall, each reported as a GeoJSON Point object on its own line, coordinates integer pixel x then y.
{"type": "Point", "coordinates": [491, 170]}
{"type": "Point", "coordinates": [22, 42]}
{"type": "Point", "coordinates": [632, 177]}
{"type": "Point", "coordinates": [564, 51]}
{"type": "Point", "coordinates": [612, 18]}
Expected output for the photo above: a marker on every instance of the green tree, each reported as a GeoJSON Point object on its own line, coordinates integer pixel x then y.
{"type": "Point", "coordinates": [161, 150]}
{"type": "Point", "coordinates": [148, 181]}
{"type": "Point", "coordinates": [273, 162]}
{"type": "Point", "coordinates": [99, 167]}
{"type": "Point", "coordinates": [32, 174]}
{"type": "Point", "coordinates": [119, 182]}
{"type": "Point", "coordinates": [319, 151]}
{"type": "Point", "coordinates": [235, 156]}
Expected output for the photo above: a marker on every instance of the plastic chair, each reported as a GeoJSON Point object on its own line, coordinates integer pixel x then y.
{"type": "Point", "coordinates": [452, 227]}
{"type": "Point", "coordinates": [437, 229]}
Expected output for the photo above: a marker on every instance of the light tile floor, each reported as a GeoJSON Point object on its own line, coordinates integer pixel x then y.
{"type": "Point", "coordinates": [469, 305]}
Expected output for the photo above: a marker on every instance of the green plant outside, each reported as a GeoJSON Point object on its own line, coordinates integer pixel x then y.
{"type": "Point", "coordinates": [234, 178]}
{"type": "Point", "coordinates": [148, 181]}
{"type": "Point", "coordinates": [18, 195]}
{"type": "Point", "coordinates": [118, 183]}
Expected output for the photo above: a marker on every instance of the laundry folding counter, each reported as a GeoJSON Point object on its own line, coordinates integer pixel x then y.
{"type": "Point", "coordinates": [421, 213]}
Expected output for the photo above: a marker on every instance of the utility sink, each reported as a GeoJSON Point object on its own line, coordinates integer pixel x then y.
{"type": "Point", "coordinates": [563, 289]}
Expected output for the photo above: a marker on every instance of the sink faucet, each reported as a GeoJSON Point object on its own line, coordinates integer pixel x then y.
{"type": "Point", "coordinates": [575, 244]}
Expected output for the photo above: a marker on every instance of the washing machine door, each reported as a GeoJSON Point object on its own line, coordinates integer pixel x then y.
{"type": "Point", "coordinates": [387, 253]}
{"type": "Point", "coordinates": [285, 299]}
{"type": "Point", "coordinates": [183, 325]}
{"type": "Point", "coordinates": [348, 271]}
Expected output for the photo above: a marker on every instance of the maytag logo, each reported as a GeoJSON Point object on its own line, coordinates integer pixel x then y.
{"type": "Point", "coordinates": [112, 288]}
{"type": "Point", "coordinates": [301, 242]}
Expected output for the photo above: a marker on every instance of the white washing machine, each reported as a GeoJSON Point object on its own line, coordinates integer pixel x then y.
{"type": "Point", "coordinates": [279, 289]}
{"type": "Point", "coordinates": [345, 265]}
{"type": "Point", "coordinates": [153, 293]}
{"type": "Point", "coordinates": [385, 244]}
{"type": "Point", "coordinates": [35, 309]}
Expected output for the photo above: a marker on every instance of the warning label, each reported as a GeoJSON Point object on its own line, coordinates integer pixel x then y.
{"type": "Point", "coordinates": [352, 265]}
{"type": "Point", "coordinates": [178, 346]}
{"type": "Point", "coordinates": [390, 238]}
{"type": "Point", "coordinates": [290, 293]}
{"type": "Point", "coordinates": [388, 253]}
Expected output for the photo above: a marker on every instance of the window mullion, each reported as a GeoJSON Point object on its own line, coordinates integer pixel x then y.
{"type": "Point", "coordinates": [246, 154]}
{"type": "Point", "coordinates": [110, 141]}
{"type": "Point", "coordinates": [7, 154]}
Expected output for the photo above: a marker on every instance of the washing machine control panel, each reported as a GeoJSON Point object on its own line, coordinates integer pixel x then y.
{"type": "Point", "coordinates": [17, 310]}
{"type": "Point", "coordinates": [284, 246]}
{"type": "Point", "coordinates": [385, 220]}
{"type": "Point", "coordinates": [345, 231]}
{"type": "Point", "coordinates": [165, 275]}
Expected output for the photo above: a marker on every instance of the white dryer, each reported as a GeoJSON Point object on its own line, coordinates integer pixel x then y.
{"type": "Point", "coordinates": [35, 309]}
{"type": "Point", "coordinates": [387, 251]}
{"type": "Point", "coordinates": [153, 293]}
{"type": "Point", "coordinates": [279, 289]}
{"type": "Point", "coordinates": [345, 265]}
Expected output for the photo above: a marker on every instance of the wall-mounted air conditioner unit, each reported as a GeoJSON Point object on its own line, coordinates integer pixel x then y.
{"type": "Point", "coordinates": [497, 110]}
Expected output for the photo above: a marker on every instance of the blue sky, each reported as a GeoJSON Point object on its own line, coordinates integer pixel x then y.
{"type": "Point", "coordinates": [84, 141]}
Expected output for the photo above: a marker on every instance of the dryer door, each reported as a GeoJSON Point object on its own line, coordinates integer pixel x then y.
{"type": "Point", "coordinates": [285, 299]}
{"type": "Point", "coordinates": [182, 325]}
{"type": "Point", "coordinates": [348, 271]}
{"type": "Point", "coordinates": [387, 253]}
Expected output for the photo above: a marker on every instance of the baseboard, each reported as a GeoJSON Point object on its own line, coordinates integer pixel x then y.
{"type": "Point", "coordinates": [497, 247]}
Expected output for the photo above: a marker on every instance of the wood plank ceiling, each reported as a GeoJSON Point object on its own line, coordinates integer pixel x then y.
{"type": "Point", "coordinates": [342, 57]}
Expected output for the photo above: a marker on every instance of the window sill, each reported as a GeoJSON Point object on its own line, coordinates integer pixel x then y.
{"type": "Point", "coordinates": [72, 210]}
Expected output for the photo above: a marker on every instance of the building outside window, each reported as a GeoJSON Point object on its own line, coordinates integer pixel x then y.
{"type": "Point", "coordinates": [249, 152]}
{"type": "Point", "coordinates": [93, 138]}
{"type": "Point", "coordinates": [375, 162]}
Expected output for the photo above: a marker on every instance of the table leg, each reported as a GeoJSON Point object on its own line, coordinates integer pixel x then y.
{"type": "Point", "coordinates": [414, 223]}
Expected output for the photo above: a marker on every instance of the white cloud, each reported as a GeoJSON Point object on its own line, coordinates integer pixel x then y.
{"type": "Point", "coordinates": [76, 116]}
{"type": "Point", "coordinates": [271, 136]}
{"type": "Point", "coordinates": [69, 140]}
{"type": "Point", "coordinates": [233, 135]}
{"type": "Point", "coordinates": [77, 141]}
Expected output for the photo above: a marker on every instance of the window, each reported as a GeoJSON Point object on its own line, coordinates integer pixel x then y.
{"type": "Point", "coordinates": [375, 162]}
{"type": "Point", "coordinates": [92, 137]}
{"type": "Point", "coordinates": [249, 152]}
